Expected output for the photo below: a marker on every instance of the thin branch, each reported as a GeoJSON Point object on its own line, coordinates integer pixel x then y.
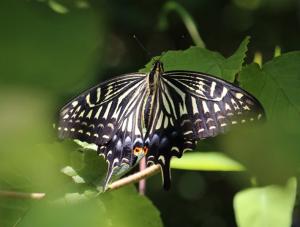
{"type": "Point", "coordinates": [134, 177]}
{"type": "Point", "coordinates": [115, 185]}
{"type": "Point", "coordinates": [142, 182]}
{"type": "Point", "coordinates": [22, 195]}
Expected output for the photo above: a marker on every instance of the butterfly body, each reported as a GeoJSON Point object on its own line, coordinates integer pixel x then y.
{"type": "Point", "coordinates": [152, 87]}
{"type": "Point", "coordinates": [157, 114]}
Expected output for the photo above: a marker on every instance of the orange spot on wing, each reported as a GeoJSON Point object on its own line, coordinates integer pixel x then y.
{"type": "Point", "coordinates": [145, 150]}
{"type": "Point", "coordinates": [140, 150]}
{"type": "Point", "coordinates": [137, 150]}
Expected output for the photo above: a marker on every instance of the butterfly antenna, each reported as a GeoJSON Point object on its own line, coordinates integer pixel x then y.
{"type": "Point", "coordinates": [141, 45]}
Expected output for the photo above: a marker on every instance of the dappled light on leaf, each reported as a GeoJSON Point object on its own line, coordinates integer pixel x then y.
{"type": "Point", "coordinates": [266, 206]}
{"type": "Point", "coordinates": [206, 161]}
{"type": "Point", "coordinates": [206, 61]}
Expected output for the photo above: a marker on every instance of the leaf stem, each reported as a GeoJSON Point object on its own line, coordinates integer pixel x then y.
{"type": "Point", "coordinates": [186, 18]}
{"type": "Point", "coordinates": [134, 177]}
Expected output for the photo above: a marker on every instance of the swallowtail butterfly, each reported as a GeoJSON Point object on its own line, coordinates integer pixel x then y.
{"type": "Point", "coordinates": [157, 115]}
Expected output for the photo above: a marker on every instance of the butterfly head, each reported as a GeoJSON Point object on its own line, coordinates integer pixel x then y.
{"type": "Point", "coordinates": [158, 67]}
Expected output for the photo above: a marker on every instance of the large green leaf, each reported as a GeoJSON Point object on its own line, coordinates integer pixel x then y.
{"type": "Point", "coordinates": [270, 152]}
{"type": "Point", "coordinates": [118, 208]}
{"type": "Point", "coordinates": [203, 60]}
{"type": "Point", "coordinates": [266, 206]}
{"type": "Point", "coordinates": [276, 144]}
{"type": "Point", "coordinates": [85, 213]}
{"type": "Point", "coordinates": [276, 85]}
{"type": "Point", "coordinates": [125, 207]}
{"type": "Point", "coordinates": [208, 161]}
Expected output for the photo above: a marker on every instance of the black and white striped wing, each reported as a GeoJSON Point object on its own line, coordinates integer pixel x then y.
{"type": "Point", "coordinates": [212, 104]}
{"type": "Point", "coordinates": [192, 106]}
{"type": "Point", "coordinates": [108, 117]}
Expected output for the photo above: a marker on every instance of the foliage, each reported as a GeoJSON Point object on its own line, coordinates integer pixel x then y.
{"type": "Point", "coordinates": [270, 201]}
{"type": "Point", "coordinates": [276, 85]}
{"type": "Point", "coordinates": [49, 49]}
{"type": "Point", "coordinates": [209, 161]}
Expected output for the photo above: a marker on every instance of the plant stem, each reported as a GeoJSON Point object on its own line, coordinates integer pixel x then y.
{"type": "Point", "coordinates": [142, 182]}
{"type": "Point", "coordinates": [134, 177]}
{"type": "Point", "coordinates": [147, 172]}
{"type": "Point", "coordinates": [186, 18]}
{"type": "Point", "coordinates": [22, 195]}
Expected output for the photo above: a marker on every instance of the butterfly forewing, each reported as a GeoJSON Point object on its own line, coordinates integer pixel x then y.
{"type": "Point", "coordinates": [98, 110]}
{"type": "Point", "coordinates": [211, 104]}
{"type": "Point", "coordinates": [107, 116]}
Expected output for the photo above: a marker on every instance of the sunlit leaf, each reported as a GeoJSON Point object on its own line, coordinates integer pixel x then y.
{"type": "Point", "coordinates": [276, 144]}
{"type": "Point", "coordinates": [118, 208]}
{"type": "Point", "coordinates": [206, 61]}
{"type": "Point", "coordinates": [276, 85]}
{"type": "Point", "coordinates": [128, 197]}
{"type": "Point", "coordinates": [84, 213]}
{"type": "Point", "coordinates": [208, 161]}
{"type": "Point", "coordinates": [266, 206]}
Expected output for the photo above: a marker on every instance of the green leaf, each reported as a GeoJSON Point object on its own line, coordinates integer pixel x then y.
{"type": "Point", "coordinates": [116, 208]}
{"type": "Point", "coordinates": [208, 161]}
{"type": "Point", "coordinates": [266, 206]}
{"type": "Point", "coordinates": [130, 209]}
{"type": "Point", "coordinates": [203, 60]}
{"type": "Point", "coordinates": [234, 63]}
{"type": "Point", "coordinates": [86, 167]}
{"type": "Point", "coordinates": [12, 210]}
{"type": "Point", "coordinates": [90, 213]}
{"type": "Point", "coordinates": [276, 85]}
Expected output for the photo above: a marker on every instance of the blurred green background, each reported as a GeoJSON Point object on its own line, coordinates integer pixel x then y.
{"type": "Point", "coordinates": [50, 51]}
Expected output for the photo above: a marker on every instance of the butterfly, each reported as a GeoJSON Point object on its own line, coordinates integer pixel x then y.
{"type": "Point", "coordinates": [156, 115]}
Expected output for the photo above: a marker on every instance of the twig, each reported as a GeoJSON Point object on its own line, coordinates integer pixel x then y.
{"type": "Point", "coordinates": [22, 195]}
{"type": "Point", "coordinates": [115, 185]}
{"type": "Point", "coordinates": [186, 18]}
{"type": "Point", "coordinates": [142, 182]}
{"type": "Point", "coordinates": [135, 177]}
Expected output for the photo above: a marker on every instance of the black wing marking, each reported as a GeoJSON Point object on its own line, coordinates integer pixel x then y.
{"type": "Point", "coordinates": [107, 115]}
{"type": "Point", "coordinates": [119, 152]}
{"type": "Point", "coordinates": [166, 137]}
{"type": "Point", "coordinates": [192, 106]}
{"type": "Point", "coordinates": [211, 104]}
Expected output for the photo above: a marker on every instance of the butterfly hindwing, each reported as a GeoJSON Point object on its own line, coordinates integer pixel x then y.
{"type": "Point", "coordinates": [167, 135]}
